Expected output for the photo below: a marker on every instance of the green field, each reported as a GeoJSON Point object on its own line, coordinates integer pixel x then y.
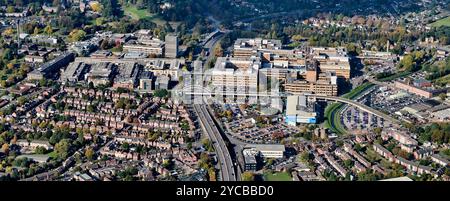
{"type": "Point", "coordinates": [442, 22]}
{"type": "Point", "coordinates": [138, 14]}
{"type": "Point", "coordinates": [53, 154]}
{"type": "Point", "coordinates": [332, 121]}
{"type": "Point", "coordinates": [277, 176]}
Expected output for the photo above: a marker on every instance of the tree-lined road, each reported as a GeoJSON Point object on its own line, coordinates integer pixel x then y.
{"type": "Point", "coordinates": [225, 162]}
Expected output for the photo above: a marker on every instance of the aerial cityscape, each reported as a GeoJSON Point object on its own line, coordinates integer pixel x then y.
{"type": "Point", "coordinates": [224, 90]}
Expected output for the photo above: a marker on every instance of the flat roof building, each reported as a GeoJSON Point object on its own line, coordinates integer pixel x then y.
{"type": "Point", "coordinates": [300, 109]}
{"type": "Point", "coordinates": [398, 179]}
{"type": "Point", "coordinates": [268, 150]}
{"type": "Point", "coordinates": [145, 44]}
{"type": "Point", "coordinates": [171, 47]}
{"type": "Point", "coordinates": [236, 76]}
{"type": "Point", "coordinates": [325, 85]}
{"type": "Point", "coordinates": [127, 75]}
{"type": "Point", "coordinates": [51, 67]}
{"type": "Point", "coordinates": [247, 47]}
{"type": "Point", "coordinates": [162, 82]}
{"type": "Point", "coordinates": [100, 73]}
{"type": "Point", "coordinates": [250, 162]}
{"type": "Point", "coordinates": [74, 72]}
{"type": "Point", "coordinates": [146, 81]}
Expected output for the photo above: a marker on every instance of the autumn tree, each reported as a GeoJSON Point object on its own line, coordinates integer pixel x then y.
{"type": "Point", "coordinates": [36, 30]}
{"type": "Point", "coordinates": [5, 148]}
{"type": "Point", "coordinates": [96, 7]}
{"type": "Point", "coordinates": [77, 35]}
{"type": "Point", "coordinates": [48, 29]}
{"type": "Point", "coordinates": [218, 51]}
{"type": "Point", "coordinates": [212, 174]}
{"type": "Point", "coordinates": [248, 176]}
{"type": "Point", "coordinates": [89, 153]}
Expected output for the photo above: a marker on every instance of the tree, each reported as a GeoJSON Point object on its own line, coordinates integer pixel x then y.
{"type": "Point", "coordinates": [111, 8]}
{"type": "Point", "coordinates": [206, 143]}
{"type": "Point", "coordinates": [377, 130]}
{"type": "Point", "coordinates": [62, 148]}
{"type": "Point", "coordinates": [407, 62]}
{"type": "Point", "coordinates": [7, 54]}
{"type": "Point", "coordinates": [305, 157]}
{"type": "Point", "coordinates": [161, 93]}
{"type": "Point", "coordinates": [10, 9]}
{"type": "Point", "coordinates": [99, 21]}
{"type": "Point", "coordinates": [404, 154]}
{"type": "Point", "coordinates": [8, 32]}
{"type": "Point", "coordinates": [77, 35]}
{"type": "Point", "coordinates": [5, 148]}
{"type": "Point", "coordinates": [48, 29]}
{"type": "Point", "coordinates": [40, 150]}
{"type": "Point", "coordinates": [358, 147]}
{"type": "Point", "coordinates": [96, 7]}
{"type": "Point", "coordinates": [36, 31]}
{"type": "Point", "coordinates": [248, 176]}
{"type": "Point", "coordinates": [212, 174]}
{"type": "Point", "coordinates": [21, 100]}
{"type": "Point", "coordinates": [437, 136]}
{"type": "Point", "coordinates": [90, 108]}
{"type": "Point", "coordinates": [348, 163]}
{"type": "Point", "coordinates": [89, 153]}
{"type": "Point", "coordinates": [443, 96]}
{"type": "Point", "coordinates": [14, 140]}
{"type": "Point", "coordinates": [218, 51]}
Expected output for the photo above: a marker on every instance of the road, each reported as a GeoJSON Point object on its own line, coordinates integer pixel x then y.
{"type": "Point", "coordinates": [211, 46]}
{"type": "Point", "coordinates": [226, 165]}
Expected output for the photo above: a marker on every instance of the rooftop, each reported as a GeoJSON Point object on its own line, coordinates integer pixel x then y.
{"type": "Point", "coordinates": [267, 147]}
{"type": "Point", "coordinates": [398, 179]}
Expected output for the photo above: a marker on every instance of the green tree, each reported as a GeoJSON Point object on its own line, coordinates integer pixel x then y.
{"type": "Point", "coordinates": [160, 93]}
{"type": "Point", "coordinates": [77, 35]}
{"type": "Point", "coordinates": [7, 55]}
{"type": "Point", "coordinates": [305, 157]}
{"type": "Point", "coordinates": [62, 148]}
{"type": "Point", "coordinates": [40, 150]}
{"type": "Point", "coordinates": [443, 96]}
{"type": "Point", "coordinates": [407, 63]}
{"type": "Point", "coordinates": [10, 9]}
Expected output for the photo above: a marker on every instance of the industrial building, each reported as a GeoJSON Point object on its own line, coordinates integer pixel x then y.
{"type": "Point", "coordinates": [300, 109]}
{"type": "Point", "coordinates": [51, 67]}
{"type": "Point", "coordinates": [268, 150]}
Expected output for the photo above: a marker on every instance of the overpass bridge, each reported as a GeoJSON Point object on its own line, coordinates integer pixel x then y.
{"type": "Point", "coordinates": [360, 106]}
{"type": "Point", "coordinates": [209, 93]}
